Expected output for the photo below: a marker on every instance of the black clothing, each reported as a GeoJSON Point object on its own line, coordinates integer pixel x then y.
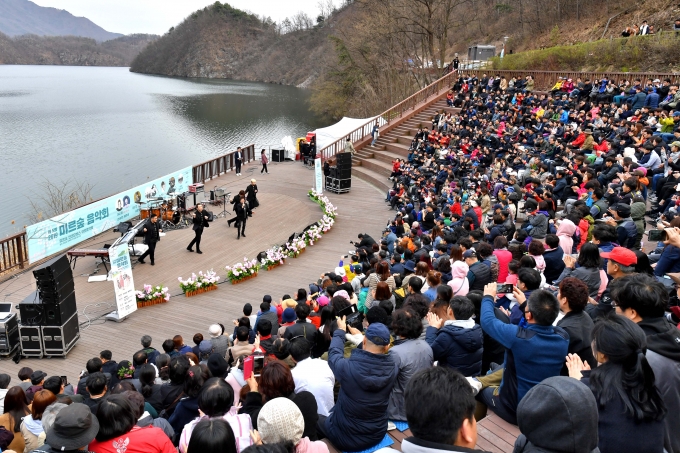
{"type": "Point", "coordinates": [152, 235]}
{"type": "Point", "coordinates": [301, 328]}
{"type": "Point", "coordinates": [242, 213]}
{"type": "Point", "coordinates": [579, 326]}
{"type": "Point", "coordinates": [251, 196]}
{"type": "Point", "coordinates": [238, 159]}
{"type": "Point", "coordinates": [200, 222]}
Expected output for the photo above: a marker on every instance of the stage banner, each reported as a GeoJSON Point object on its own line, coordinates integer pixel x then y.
{"type": "Point", "coordinates": [318, 173]}
{"type": "Point", "coordinates": [70, 228]}
{"type": "Point", "coordinates": [123, 285]}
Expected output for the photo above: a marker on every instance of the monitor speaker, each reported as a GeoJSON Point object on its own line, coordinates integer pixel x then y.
{"type": "Point", "coordinates": [344, 158]}
{"type": "Point", "coordinates": [278, 155]}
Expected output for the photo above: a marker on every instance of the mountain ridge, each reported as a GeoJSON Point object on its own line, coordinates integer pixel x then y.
{"type": "Point", "coordinates": [23, 17]}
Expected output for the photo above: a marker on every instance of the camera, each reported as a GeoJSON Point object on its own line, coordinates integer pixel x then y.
{"type": "Point", "coordinates": [353, 317]}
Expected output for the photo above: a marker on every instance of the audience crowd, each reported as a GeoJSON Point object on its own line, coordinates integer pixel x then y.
{"type": "Point", "coordinates": [511, 279]}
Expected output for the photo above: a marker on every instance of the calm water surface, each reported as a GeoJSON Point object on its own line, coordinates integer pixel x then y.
{"type": "Point", "coordinates": [116, 129]}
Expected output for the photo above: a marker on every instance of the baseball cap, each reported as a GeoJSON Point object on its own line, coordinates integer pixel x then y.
{"type": "Point", "coordinates": [378, 334]}
{"type": "Point", "coordinates": [623, 210]}
{"type": "Point", "coordinates": [469, 253]}
{"type": "Point", "coordinates": [621, 255]}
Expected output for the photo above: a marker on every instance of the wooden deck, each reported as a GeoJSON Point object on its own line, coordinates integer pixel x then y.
{"type": "Point", "coordinates": [284, 209]}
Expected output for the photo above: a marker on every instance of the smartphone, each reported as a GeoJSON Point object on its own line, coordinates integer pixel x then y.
{"type": "Point", "coordinates": [504, 288]}
{"type": "Point", "coordinates": [258, 365]}
{"type": "Point", "coordinates": [248, 367]}
{"type": "Point", "coordinates": [64, 380]}
{"type": "Point", "coordinates": [656, 235]}
{"type": "Point", "coordinates": [348, 311]}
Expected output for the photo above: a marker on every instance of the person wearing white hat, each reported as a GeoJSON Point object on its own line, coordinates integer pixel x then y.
{"type": "Point", "coordinates": [281, 421]}
{"type": "Point", "coordinates": [220, 342]}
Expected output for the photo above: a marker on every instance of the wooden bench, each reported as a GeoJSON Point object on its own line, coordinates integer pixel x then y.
{"type": "Point", "coordinates": [494, 435]}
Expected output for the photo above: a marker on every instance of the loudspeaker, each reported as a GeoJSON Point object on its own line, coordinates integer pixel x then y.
{"type": "Point", "coordinates": [56, 314]}
{"type": "Point", "coordinates": [59, 340]}
{"type": "Point", "coordinates": [31, 310]}
{"type": "Point", "coordinates": [52, 268]}
{"type": "Point", "coordinates": [52, 294]}
{"type": "Point", "coordinates": [31, 341]}
{"type": "Point", "coordinates": [345, 184]}
{"type": "Point", "coordinates": [9, 334]}
{"type": "Point", "coordinates": [333, 172]}
{"type": "Point", "coordinates": [278, 155]}
{"type": "Point", "coordinates": [344, 173]}
{"type": "Point", "coordinates": [344, 158]}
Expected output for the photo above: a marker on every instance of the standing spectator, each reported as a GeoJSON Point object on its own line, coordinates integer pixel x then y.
{"type": "Point", "coordinates": [410, 353]}
{"type": "Point", "coordinates": [366, 378]}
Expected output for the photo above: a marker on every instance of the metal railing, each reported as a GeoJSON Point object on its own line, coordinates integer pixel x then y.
{"type": "Point", "coordinates": [394, 113]}
{"type": "Point", "coordinates": [220, 165]}
{"type": "Point", "coordinates": [545, 80]}
{"type": "Point", "coordinates": [14, 252]}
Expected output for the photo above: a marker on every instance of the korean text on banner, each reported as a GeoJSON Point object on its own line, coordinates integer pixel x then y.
{"type": "Point", "coordinates": [68, 229]}
{"type": "Point", "coordinates": [318, 174]}
{"type": "Point", "coordinates": [123, 285]}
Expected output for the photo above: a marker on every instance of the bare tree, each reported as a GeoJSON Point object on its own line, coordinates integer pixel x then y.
{"type": "Point", "coordinates": [301, 21]}
{"type": "Point", "coordinates": [54, 198]}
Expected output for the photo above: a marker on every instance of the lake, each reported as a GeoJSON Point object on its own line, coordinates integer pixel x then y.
{"type": "Point", "coordinates": [115, 129]}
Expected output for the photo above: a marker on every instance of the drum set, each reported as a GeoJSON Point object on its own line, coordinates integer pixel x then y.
{"type": "Point", "coordinates": [175, 212]}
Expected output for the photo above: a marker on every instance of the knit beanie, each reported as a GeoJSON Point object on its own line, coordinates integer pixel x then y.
{"type": "Point", "coordinates": [280, 420]}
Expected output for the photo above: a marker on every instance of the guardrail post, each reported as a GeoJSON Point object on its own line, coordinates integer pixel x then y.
{"type": "Point", "coordinates": [20, 250]}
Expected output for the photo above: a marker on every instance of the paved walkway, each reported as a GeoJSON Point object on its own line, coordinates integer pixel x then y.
{"type": "Point", "coordinates": [284, 209]}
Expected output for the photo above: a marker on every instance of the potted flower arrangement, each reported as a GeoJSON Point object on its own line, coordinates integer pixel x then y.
{"type": "Point", "coordinates": [126, 372]}
{"type": "Point", "coordinates": [324, 202]}
{"type": "Point", "coordinates": [295, 247]}
{"type": "Point", "coordinates": [201, 283]}
{"type": "Point", "coordinates": [313, 234]}
{"type": "Point", "coordinates": [241, 272]}
{"type": "Point", "coordinates": [275, 257]}
{"type": "Point", "coordinates": [152, 295]}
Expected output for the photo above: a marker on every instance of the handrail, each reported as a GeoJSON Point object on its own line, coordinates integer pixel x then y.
{"type": "Point", "coordinates": [215, 167]}
{"type": "Point", "coordinates": [544, 80]}
{"type": "Point", "coordinates": [393, 113]}
{"type": "Point", "coordinates": [14, 252]}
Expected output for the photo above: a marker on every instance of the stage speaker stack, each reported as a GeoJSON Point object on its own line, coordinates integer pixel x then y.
{"type": "Point", "coordinates": [340, 179]}
{"type": "Point", "coordinates": [49, 316]}
{"type": "Point", "coordinates": [278, 155]}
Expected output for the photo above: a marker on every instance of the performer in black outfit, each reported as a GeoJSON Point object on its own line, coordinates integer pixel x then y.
{"type": "Point", "coordinates": [200, 222]}
{"type": "Point", "coordinates": [242, 212]}
{"type": "Point", "coordinates": [151, 237]}
{"type": "Point", "coordinates": [238, 158]}
{"type": "Point", "coordinates": [251, 194]}
{"type": "Point", "coordinates": [234, 202]}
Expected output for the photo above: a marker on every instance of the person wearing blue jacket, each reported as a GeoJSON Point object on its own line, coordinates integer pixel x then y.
{"type": "Point", "coordinates": [535, 349]}
{"type": "Point", "coordinates": [358, 420]}
{"type": "Point", "coordinates": [457, 341]}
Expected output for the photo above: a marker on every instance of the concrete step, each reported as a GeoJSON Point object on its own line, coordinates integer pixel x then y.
{"type": "Point", "coordinates": [387, 157]}
{"type": "Point", "coordinates": [397, 148]}
{"type": "Point", "coordinates": [365, 153]}
{"type": "Point", "coordinates": [374, 178]}
{"type": "Point", "coordinates": [378, 166]}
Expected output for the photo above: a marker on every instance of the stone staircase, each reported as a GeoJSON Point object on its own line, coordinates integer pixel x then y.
{"type": "Point", "coordinates": [373, 164]}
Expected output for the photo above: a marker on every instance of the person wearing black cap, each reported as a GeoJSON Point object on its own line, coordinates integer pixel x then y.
{"type": "Point", "coordinates": [73, 430]}
{"type": "Point", "coordinates": [37, 379]}
{"type": "Point", "coordinates": [626, 230]}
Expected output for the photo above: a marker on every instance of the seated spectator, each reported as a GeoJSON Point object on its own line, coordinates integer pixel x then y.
{"type": "Point", "coordinates": [218, 339]}
{"type": "Point", "coordinates": [31, 426]}
{"type": "Point", "coordinates": [410, 353]}
{"type": "Point", "coordinates": [558, 415]}
{"type": "Point", "coordinates": [312, 375]}
{"type": "Point", "coordinates": [631, 408]}
{"type": "Point", "coordinates": [218, 366]}
{"type": "Point", "coordinates": [150, 390]}
{"type": "Point", "coordinates": [277, 382]}
{"type": "Point", "coordinates": [268, 312]}
{"type": "Point", "coordinates": [108, 364]}
{"type": "Point", "coordinates": [216, 401]}
{"type": "Point", "coordinates": [172, 391]}
{"type": "Point", "coordinates": [55, 385]}
{"type": "Point", "coordinates": [554, 265]}
{"type": "Point", "coordinates": [456, 341]}
{"type": "Point", "coordinates": [93, 366]}
{"type": "Point", "coordinates": [265, 341]}
{"type": "Point", "coordinates": [179, 345]}
{"type": "Point", "coordinates": [359, 419]}
{"type": "Point", "coordinates": [573, 297]}
{"type": "Point", "coordinates": [118, 429]}
{"type": "Point", "coordinates": [126, 372]}
{"type": "Point", "coordinates": [459, 282]}
{"type": "Point", "coordinates": [24, 376]}
{"type": "Point", "coordinates": [643, 300]}
{"type": "Point", "coordinates": [301, 326]}
{"type": "Point", "coordinates": [241, 344]}
{"type": "Point", "coordinates": [288, 318]}
{"type": "Point", "coordinates": [5, 379]}
{"type": "Point", "coordinates": [144, 418]}
{"type": "Point", "coordinates": [479, 274]}
{"type": "Point", "coordinates": [534, 352]}
{"type": "Point", "coordinates": [169, 348]}
{"type": "Point", "coordinates": [15, 409]}
{"type": "Point", "coordinates": [212, 435]}
{"type": "Point", "coordinates": [163, 366]}
{"type": "Point", "coordinates": [151, 352]}
{"type": "Point", "coordinates": [138, 359]}
{"type": "Point", "coordinates": [73, 429]}
{"type": "Point", "coordinates": [590, 264]}
{"type": "Point", "coordinates": [440, 409]}
{"type": "Point", "coordinates": [97, 388]}
{"type": "Point", "coordinates": [280, 420]}
{"type": "Point", "coordinates": [37, 379]}
{"type": "Point", "coordinates": [187, 407]}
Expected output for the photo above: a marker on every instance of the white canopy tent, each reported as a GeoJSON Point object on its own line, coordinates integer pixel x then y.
{"type": "Point", "coordinates": [327, 135]}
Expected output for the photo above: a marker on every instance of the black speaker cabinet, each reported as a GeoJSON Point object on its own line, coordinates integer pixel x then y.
{"type": "Point", "coordinates": [31, 310]}
{"type": "Point", "coordinates": [31, 341]}
{"type": "Point", "coordinates": [345, 184]}
{"type": "Point", "coordinates": [57, 313]}
{"type": "Point", "coordinates": [59, 340]}
{"type": "Point", "coordinates": [55, 294]}
{"type": "Point", "coordinates": [344, 173]}
{"type": "Point", "coordinates": [9, 334]}
{"type": "Point", "coordinates": [344, 159]}
{"type": "Point", "coordinates": [52, 269]}
{"type": "Point", "coordinates": [278, 155]}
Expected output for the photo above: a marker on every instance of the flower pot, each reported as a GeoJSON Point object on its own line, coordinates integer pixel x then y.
{"type": "Point", "coordinates": [148, 303]}
{"type": "Point", "coordinates": [272, 266]}
{"type": "Point", "coordinates": [241, 280]}
{"type": "Point", "coordinates": [202, 290]}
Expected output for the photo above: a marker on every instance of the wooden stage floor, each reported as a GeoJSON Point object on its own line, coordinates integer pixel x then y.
{"type": "Point", "coordinates": [284, 208]}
